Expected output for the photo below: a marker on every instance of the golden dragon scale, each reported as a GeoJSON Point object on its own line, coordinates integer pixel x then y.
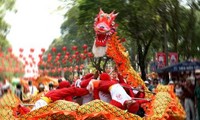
{"type": "Point", "coordinates": [164, 106]}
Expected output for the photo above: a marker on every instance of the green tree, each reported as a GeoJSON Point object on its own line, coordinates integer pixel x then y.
{"type": "Point", "coordinates": [149, 26]}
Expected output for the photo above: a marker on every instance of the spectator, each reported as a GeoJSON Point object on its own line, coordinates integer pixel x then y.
{"type": "Point", "coordinates": [1, 92]}
{"type": "Point", "coordinates": [147, 83]}
{"type": "Point", "coordinates": [188, 89]}
{"type": "Point", "coordinates": [18, 91]}
{"type": "Point", "coordinates": [59, 80]}
{"type": "Point", "coordinates": [32, 89]}
{"type": "Point", "coordinates": [153, 87]}
{"type": "Point", "coordinates": [51, 86]}
{"type": "Point", "coordinates": [197, 95]}
{"type": "Point", "coordinates": [171, 82]}
{"type": "Point", "coordinates": [41, 87]}
{"type": "Point", "coordinates": [179, 92]}
{"type": "Point", "coordinates": [5, 86]}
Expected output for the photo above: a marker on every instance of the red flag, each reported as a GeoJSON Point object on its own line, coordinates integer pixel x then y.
{"type": "Point", "coordinates": [161, 59]}
{"type": "Point", "coordinates": [173, 58]}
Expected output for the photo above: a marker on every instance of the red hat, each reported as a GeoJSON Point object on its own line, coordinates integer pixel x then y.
{"type": "Point", "coordinates": [134, 107]}
{"type": "Point", "coordinates": [63, 84]}
{"type": "Point", "coordinates": [105, 77]}
{"type": "Point", "coordinates": [89, 75]}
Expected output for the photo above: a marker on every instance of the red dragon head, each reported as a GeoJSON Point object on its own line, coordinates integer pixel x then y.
{"type": "Point", "coordinates": [104, 27]}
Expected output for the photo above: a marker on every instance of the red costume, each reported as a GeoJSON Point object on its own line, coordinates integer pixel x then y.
{"type": "Point", "coordinates": [103, 77]}
{"type": "Point", "coordinates": [60, 94]}
{"type": "Point", "coordinates": [65, 84]}
{"type": "Point", "coordinates": [120, 98]}
{"type": "Point", "coordinates": [86, 79]}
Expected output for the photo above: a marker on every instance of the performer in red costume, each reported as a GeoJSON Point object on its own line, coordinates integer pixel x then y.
{"type": "Point", "coordinates": [97, 94]}
{"type": "Point", "coordinates": [119, 96]}
{"type": "Point", "coordinates": [60, 94]}
{"type": "Point", "coordinates": [82, 83]}
{"type": "Point", "coordinates": [65, 84]}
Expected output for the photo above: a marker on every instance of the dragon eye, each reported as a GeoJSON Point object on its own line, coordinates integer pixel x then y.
{"type": "Point", "coordinates": [108, 17]}
{"type": "Point", "coordinates": [101, 15]}
{"type": "Point", "coordinates": [95, 19]}
{"type": "Point", "coordinates": [113, 23]}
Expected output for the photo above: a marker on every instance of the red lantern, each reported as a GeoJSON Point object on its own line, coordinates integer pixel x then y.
{"type": "Point", "coordinates": [73, 56]}
{"type": "Point", "coordinates": [76, 67]}
{"type": "Point", "coordinates": [74, 48]}
{"type": "Point", "coordinates": [64, 48]}
{"type": "Point", "coordinates": [30, 56]}
{"type": "Point", "coordinates": [81, 55]}
{"type": "Point", "coordinates": [85, 51]}
{"type": "Point", "coordinates": [70, 60]}
{"type": "Point", "coordinates": [28, 71]}
{"type": "Point", "coordinates": [1, 54]}
{"type": "Point", "coordinates": [26, 62]}
{"type": "Point", "coordinates": [10, 50]}
{"type": "Point", "coordinates": [21, 50]}
{"type": "Point", "coordinates": [70, 69]}
{"type": "Point", "coordinates": [53, 49]}
{"type": "Point", "coordinates": [81, 68]}
{"type": "Point", "coordinates": [49, 55]}
{"type": "Point", "coordinates": [49, 59]}
{"type": "Point", "coordinates": [32, 50]}
{"type": "Point", "coordinates": [59, 54]}
{"type": "Point", "coordinates": [58, 63]}
{"type": "Point", "coordinates": [82, 65]}
{"type": "Point", "coordinates": [76, 52]}
{"type": "Point", "coordinates": [34, 62]}
{"type": "Point", "coordinates": [65, 69]}
{"type": "Point", "coordinates": [59, 69]}
{"type": "Point", "coordinates": [66, 57]}
{"type": "Point", "coordinates": [84, 46]}
{"type": "Point", "coordinates": [57, 58]}
{"type": "Point", "coordinates": [63, 61]}
{"type": "Point", "coordinates": [12, 56]}
{"type": "Point", "coordinates": [67, 53]}
{"type": "Point", "coordinates": [90, 55]}
{"type": "Point", "coordinates": [31, 65]}
{"type": "Point", "coordinates": [53, 70]}
{"type": "Point", "coordinates": [43, 50]}
{"type": "Point", "coordinates": [20, 55]}
{"type": "Point", "coordinates": [40, 56]}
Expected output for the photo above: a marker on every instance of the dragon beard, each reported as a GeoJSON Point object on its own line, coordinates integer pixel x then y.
{"type": "Point", "coordinates": [99, 51]}
{"type": "Point", "coordinates": [100, 44]}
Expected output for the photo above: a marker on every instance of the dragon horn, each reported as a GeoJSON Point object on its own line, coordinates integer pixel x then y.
{"type": "Point", "coordinates": [101, 11]}
{"type": "Point", "coordinates": [115, 14]}
{"type": "Point", "coordinates": [112, 12]}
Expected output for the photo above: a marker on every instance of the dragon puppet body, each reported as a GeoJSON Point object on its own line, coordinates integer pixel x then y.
{"type": "Point", "coordinates": [108, 43]}
{"type": "Point", "coordinates": [164, 105]}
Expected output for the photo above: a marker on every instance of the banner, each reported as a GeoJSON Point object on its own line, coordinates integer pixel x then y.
{"type": "Point", "coordinates": [161, 59]}
{"type": "Point", "coordinates": [173, 58]}
{"type": "Point", "coordinates": [153, 66]}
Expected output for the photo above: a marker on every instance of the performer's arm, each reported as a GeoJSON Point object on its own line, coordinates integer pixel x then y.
{"type": "Point", "coordinates": [60, 94]}
{"type": "Point", "coordinates": [96, 94]}
{"type": "Point", "coordinates": [80, 92]}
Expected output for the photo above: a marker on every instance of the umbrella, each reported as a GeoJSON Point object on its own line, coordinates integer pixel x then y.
{"type": "Point", "coordinates": [183, 66]}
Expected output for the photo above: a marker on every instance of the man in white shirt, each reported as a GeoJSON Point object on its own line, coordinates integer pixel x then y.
{"type": "Point", "coordinates": [32, 89]}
